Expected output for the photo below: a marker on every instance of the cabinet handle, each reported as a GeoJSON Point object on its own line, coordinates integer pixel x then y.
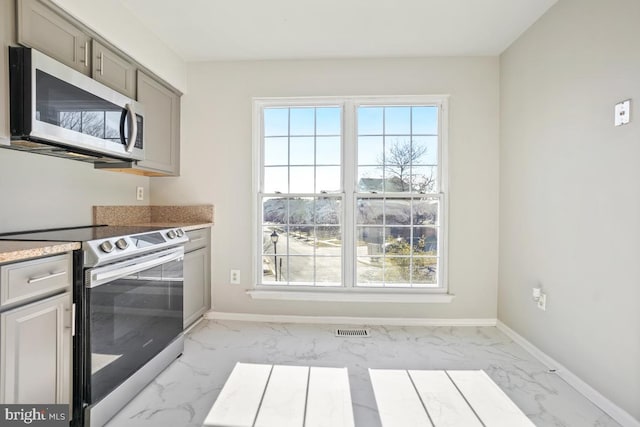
{"type": "Point", "coordinates": [197, 239]}
{"type": "Point", "coordinates": [101, 63]}
{"type": "Point", "coordinates": [86, 54]}
{"type": "Point", "coordinates": [73, 320]}
{"type": "Point", "coordinates": [48, 276]}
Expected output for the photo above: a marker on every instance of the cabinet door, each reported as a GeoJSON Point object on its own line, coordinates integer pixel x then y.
{"type": "Point", "coordinates": [161, 126]}
{"type": "Point", "coordinates": [112, 70]}
{"type": "Point", "coordinates": [195, 283]}
{"type": "Point", "coordinates": [35, 346]}
{"type": "Point", "coordinates": [43, 29]}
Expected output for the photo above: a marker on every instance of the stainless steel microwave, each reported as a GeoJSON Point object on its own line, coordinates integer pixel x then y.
{"type": "Point", "coordinates": [57, 111]}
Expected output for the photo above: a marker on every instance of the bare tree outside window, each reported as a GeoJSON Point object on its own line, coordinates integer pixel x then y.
{"type": "Point", "coordinates": [398, 164]}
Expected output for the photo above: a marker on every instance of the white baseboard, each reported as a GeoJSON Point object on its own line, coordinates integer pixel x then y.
{"type": "Point", "coordinates": [613, 410]}
{"type": "Point", "coordinates": [343, 320]}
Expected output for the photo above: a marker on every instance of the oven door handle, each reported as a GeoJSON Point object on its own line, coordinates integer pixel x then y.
{"type": "Point", "coordinates": [98, 277]}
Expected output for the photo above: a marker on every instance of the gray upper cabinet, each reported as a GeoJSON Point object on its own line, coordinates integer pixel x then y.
{"type": "Point", "coordinates": [161, 127]}
{"type": "Point", "coordinates": [43, 29]}
{"type": "Point", "coordinates": [112, 70]}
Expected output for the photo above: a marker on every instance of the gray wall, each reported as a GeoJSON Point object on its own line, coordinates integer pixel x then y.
{"type": "Point", "coordinates": [43, 192]}
{"type": "Point", "coordinates": [570, 192]}
{"type": "Point", "coordinates": [217, 167]}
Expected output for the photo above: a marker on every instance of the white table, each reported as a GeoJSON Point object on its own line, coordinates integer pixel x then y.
{"type": "Point", "coordinates": [443, 398]}
{"type": "Point", "coordinates": [258, 395]}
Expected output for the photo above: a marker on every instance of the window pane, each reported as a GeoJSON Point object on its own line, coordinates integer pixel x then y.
{"type": "Point", "coordinates": [425, 150]}
{"type": "Point", "coordinates": [425, 211]}
{"type": "Point", "coordinates": [424, 271]}
{"type": "Point", "coordinates": [301, 151]}
{"type": "Point", "coordinates": [328, 210]}
{"type": "Point", "coordinates": [272, 269]}
{"type": "Point", "coordinates": [302, 121]}
{"type": "Point", "coordinates": [425, 120]}
{"type": "Point", "coordinates": [328, 271]}
{"type": "Point", "coordinates": [301, 240]}
{"type": "Point", "coordinates": [397, 120]}
{"type": "Point", "coordinates": [397, 179]}
{"type": "Point", "coordinates": [274, 211]}
{"type": "Point", "coordinates": [397, 211]}
{"type": "Point", "coordinates": [328, 121]}
{"type": "Point", "coordinates": [301, 210]}
{"type": "Point", "coordinates": [276, 121]}
{"type": "Point", "coordinates": [425, 241]}
{"type": "Point", "coordinates": [276, 151]}
{"type": "Point", "coordinates": [275, 179]}
{"type": "Point", "coordinates": [328, 179]}
{"type": "Point", "coordinates": [328, 150]}
{"type": "Point", "coordinates": [370, 178]}
{"type": "Point", "coordinates": [370, 271]}
{"type": "Point", "coordinates": [370, 120]}
{"type": "Point", "coordinates": [370, 211]}
{"type": "Point", "coordinates": [397, 270]}
{"type": "Point", "coordinates": [281, 244]}
{"type": "Point", "coordinates": [424, 179]}
{"type": "Point", "coordinates": [370, 151]}
{"type": "Point", "coordinates": [300, 269]}
{"type": "Point", "coordinates": [301, 179]}
{"type": "Point", "coordinates": [328, 241]}
{"type": "Point", "coordinates": [370, 240]}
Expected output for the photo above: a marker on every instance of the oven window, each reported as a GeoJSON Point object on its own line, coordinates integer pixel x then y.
{"type": "Point", "coordinates": [131, 320]}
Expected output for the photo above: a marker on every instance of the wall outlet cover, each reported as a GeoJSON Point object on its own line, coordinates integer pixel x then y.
{"type": "Point", "coordinates": [622, 113]}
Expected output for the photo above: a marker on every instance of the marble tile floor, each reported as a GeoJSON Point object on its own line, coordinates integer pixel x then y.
{"type": "Point", "coordinates": [183, 394]}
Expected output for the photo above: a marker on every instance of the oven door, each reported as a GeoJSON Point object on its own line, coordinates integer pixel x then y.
{"type": "Point", "coordinates": [134, 311]}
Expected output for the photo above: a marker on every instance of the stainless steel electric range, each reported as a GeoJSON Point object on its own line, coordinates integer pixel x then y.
{"type": "Point", "coordinates": [128, 284]}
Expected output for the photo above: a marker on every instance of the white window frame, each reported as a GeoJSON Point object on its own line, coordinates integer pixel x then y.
{"type": "Point", "coordinates": [349, 291]}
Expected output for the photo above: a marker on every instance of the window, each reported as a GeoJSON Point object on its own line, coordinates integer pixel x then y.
{"type": "Point", "coordinates": [351, 193]}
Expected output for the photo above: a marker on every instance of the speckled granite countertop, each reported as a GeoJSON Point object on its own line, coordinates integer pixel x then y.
{"type": "Point", "coordinates": [188, 216]}
{"type": "Point", "coordinates": [16, 251]}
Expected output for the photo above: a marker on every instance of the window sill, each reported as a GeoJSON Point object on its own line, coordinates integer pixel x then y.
{"type": "Point", "coordinates": [351, 296]}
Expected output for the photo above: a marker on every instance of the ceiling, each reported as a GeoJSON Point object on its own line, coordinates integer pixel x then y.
{"type": "Point", "coordinates": [209, 30]}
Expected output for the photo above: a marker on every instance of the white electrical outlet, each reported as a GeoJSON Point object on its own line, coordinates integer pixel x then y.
{"type": "Point", "coordinates": [622, 113]}
{"type": "Point", "coordinates": [139, 193]}
{"type": "Point", "coordinates": [234, 277]}
{"type": "Point", "coordinates": [542, 302]}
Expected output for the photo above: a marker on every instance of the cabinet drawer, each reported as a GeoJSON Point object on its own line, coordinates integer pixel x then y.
{"type": "Point", "coordinates": [27, 280]}
{"type": "Point", "coordinates": [197, 239]}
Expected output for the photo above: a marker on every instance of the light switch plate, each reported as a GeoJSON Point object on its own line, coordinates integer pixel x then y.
{"type": "Point", "coordinates": [622, 112]}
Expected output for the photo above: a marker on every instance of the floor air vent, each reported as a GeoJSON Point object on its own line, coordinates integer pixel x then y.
{"type": "Point", "coordinates": [353, 333]}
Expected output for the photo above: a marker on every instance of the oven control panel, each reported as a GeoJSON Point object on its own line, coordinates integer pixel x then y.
{"type": "Point", "coordinates": [104, 251]}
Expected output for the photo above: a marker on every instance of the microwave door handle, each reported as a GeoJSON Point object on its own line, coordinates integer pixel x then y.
{"type": "Point", "coordinates": [133, 128]}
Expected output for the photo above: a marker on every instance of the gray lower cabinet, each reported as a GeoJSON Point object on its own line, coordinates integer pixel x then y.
{"type": "Point", "coordinates": [197, 286]}
{"type": "Point", "coordinates": [161, 127]}
{"type": "Point", "coordinates": [43, 29]}
{"type": "Point", "coordinates": [112, 70]}
{"type": "Point", "coordinates": [35, 349]}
